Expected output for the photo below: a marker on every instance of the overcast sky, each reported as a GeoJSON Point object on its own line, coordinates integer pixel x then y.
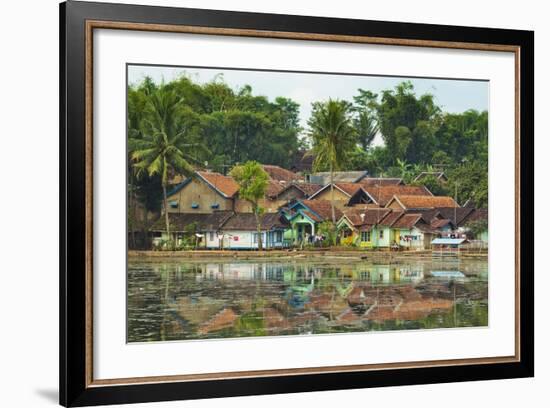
{"type": "Point", "coordinates": [453, 96]}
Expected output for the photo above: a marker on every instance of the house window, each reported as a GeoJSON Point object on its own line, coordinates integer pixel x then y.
{"type": "Point", "coordinates": [365, 275]}
{"type": "Point", "coordinates": [195, 205]}
{"type": "Point", "coordinates": [211, 235]}
{"type": "Point", "coordinates": [173, 204]}
{"type": "Point", "coordinates": [215, 206]}
{"type": "Point", "coordinates": [365, 236]}
{"type": "Point", "coordinates": [255, 238]}
{"type": "Point", "coordinates": [381, 234]}
{"type": "Point", "coordinates": [278, 236]}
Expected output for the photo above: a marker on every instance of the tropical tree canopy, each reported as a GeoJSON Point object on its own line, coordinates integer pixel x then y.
{"type": "Point", "coordinates": [333, 138]}
{"type": "Point", "coordinates": [161, 145]}
{"type": "Point", "coordinates": [252, 180]}
{"type": "Point", "coordinates": [332, 134]}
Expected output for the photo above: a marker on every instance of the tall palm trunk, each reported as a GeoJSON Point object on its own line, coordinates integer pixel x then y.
{"type": "Point", "coordinates": [332, 204]}
{"type": "Point", "coordinates": [132, 206]}
{"type": "Point", "coordinates": [332, 194]}
{"type": "Point", "coordinates": [165, 199]}
{"type": "Point", "coordinates": [258, 227]}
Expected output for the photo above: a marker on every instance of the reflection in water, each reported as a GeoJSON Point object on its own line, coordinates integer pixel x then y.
{"type": "Point", "coordinates": [218, 299]}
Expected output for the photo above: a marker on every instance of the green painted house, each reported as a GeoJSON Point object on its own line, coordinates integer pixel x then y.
{"type": "Point", "coordinates": [361, 227]}
{"type": "Point", "coordinates": [384, 228]}
{"type": "Point", "coordinates": [305, 216]}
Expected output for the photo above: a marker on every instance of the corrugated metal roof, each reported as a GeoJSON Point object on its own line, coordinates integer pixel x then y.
{"type": "Point", "coordinates": [448, 241]}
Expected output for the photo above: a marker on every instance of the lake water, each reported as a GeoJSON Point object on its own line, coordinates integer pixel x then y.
{"type": "Point", "coordinates": [238, 298]}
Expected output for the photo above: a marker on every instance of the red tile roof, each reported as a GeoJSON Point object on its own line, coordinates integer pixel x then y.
{"type": "Point", "coordinates": [349, 188]}
{"type": "Point", "coordinates": [370, 216]}
{"type": "Point", "coordinates": [383, 194]}
{"type": "Point", "coordinates": [460, 212]}
{"type": "Point", "coordinates": [439, 223]}
{"type": "Point", "coordinates": [424, 202]}
{"type": "Point", "coordinates": [476, 215]}
{"type": "Point", "coordinates": [274, 188]}
{"type": "Point", "coordinates": [391, 218]}
{"type": "Point", "coordinates": [313, 216]}
{"type": "Point", "coordinates": [279, 174]}
{"type": "Point", "coordinates": [323, 209]}
{"type": "Point", "coordinates": [223, 184]}
{"type": "Point", "coordinates": [307, 188]}
{"type": "Point", "coordinates": [407, 221]}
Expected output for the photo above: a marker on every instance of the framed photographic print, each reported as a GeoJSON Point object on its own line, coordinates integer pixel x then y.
{"type": "Point", "coordinates": [256, 203]}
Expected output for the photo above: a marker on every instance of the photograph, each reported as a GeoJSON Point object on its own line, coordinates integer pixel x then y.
{"type": "Point", "coordinates": [256, 203]}
{"type": "Point", "coordinates": [276, 203]}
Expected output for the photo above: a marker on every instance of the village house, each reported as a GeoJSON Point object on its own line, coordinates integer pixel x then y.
{"type": "Point", "coordinates": [293, 192]}
{"type": "Point", "coordinates": [350, 194]}
{"type": "Point", "coordinates": [240, 231]}
{"type": "Point", "coordinates": [222, 230]}
{"type": "Point", "coordinates": [480, 215]}
{"type": "Point", "coordinates": [342, 193]}
{"type": "Point", "coordinates": [193, 227]}
{"type": "Point", "coordinates": [270, 203]}
{"type": "Point", "coordinates": [304, 216]}
{"type": "Point", "coordinates": [382, 194]}
{"type": "Point", "coordinates": [277, 195]}
{"type": "Point", "coordinates": [206, 192]}
{"type": "Point", "coordinates": [357, 224]}
{"type": "Point", "coordinates": [203, 193]}
{"type": "Point", "coordinates": [385, 228]}
{"type": "Point", "coordinates": [411, 232]}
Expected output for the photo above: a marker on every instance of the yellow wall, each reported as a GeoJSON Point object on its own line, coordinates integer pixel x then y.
{"type": "Point", "coordinates": [200, 193]}
{"type": "Point", "coordinates": [270, 206]}
{"type": "Point", "coordinates": [293, 193]}
{"type": "Point", "coordinates": [395, 205]}
{"type": "Point", "coordinates": [340, 199]}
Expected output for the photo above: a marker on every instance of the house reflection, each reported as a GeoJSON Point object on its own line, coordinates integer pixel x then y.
{"type": "Point", "coordinates": [234, 299]}
{"type": "Point", "coordinates": [286, 272]}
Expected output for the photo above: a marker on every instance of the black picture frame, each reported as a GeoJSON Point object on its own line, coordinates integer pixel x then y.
{"type": "Point", "coordinates": [74, 298]}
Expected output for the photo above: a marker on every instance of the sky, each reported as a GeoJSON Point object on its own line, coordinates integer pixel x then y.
{"type": "Point", "coordinates": [453, 96]}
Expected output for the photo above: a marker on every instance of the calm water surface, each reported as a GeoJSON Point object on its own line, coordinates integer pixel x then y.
{"type": "Point", "coordinates": [218, 299]}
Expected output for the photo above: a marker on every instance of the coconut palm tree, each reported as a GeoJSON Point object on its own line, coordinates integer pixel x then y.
{"type": "Point", "coordinates": [159, 150]}
{"type": "Point", "coordinates": [252, 180]}
{"type": "Point", "coordinates": [334, 137]}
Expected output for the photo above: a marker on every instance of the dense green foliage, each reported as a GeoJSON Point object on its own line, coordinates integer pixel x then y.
{"type": "Point", "coordinates": [225, 121]}
{"type": "Point", "coordinates": [419, 137]}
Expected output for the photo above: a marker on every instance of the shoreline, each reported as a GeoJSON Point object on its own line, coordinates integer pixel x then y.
{"type": "Point", "coordinates": [371, 255]}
